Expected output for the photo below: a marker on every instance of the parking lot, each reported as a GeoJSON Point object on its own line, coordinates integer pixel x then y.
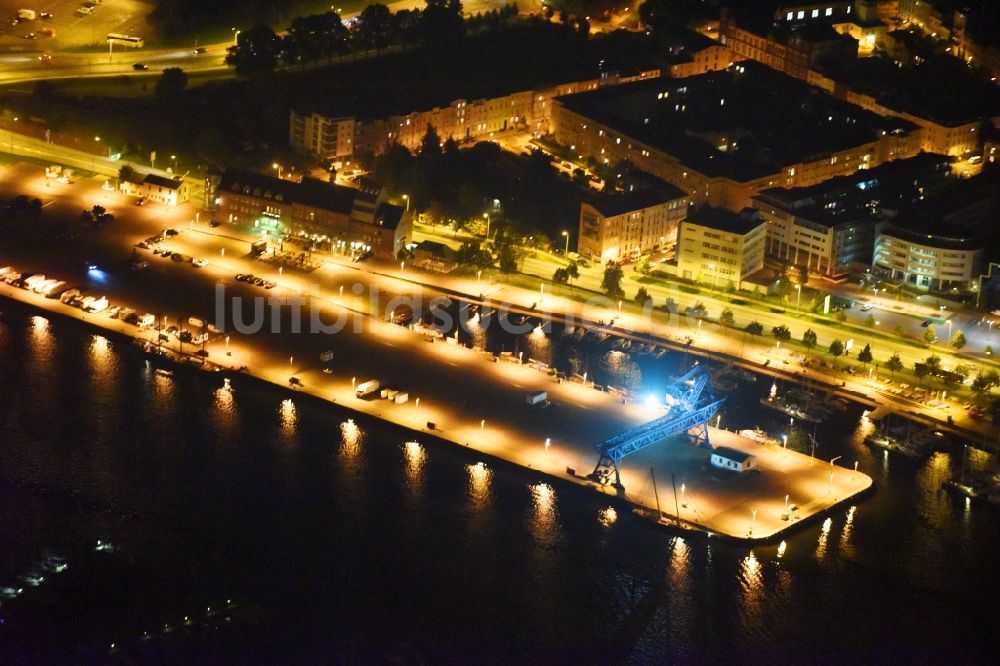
{"type": "Point", "coordinates": [67, 25]}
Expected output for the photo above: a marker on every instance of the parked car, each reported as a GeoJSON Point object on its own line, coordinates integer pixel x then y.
{"type": "Point", "coordinates": [139, 67]}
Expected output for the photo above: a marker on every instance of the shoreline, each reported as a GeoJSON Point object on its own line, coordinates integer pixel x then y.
{"type": "Point", "coordinates": [668, 519]}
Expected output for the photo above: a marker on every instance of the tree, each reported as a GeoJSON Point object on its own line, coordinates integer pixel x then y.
{"type": "Point", "coordinates": [981, 385]}
{"type": "Point", "coordinates": [840, 316]}
{"type": "Point", "coordinates": [374, 27]}
{"type": "Point", "coordinates": [611, 283]}
{"type": "Point", "coordinates": [755, 328]}
{"type": "Point", "coordinates": [644, 267]}
{"type": "Point", "coordinates": [559, 276]}
{"type": "Point", "coordinates": [930, 335]}
{"type": "Point", "coordinates": [781, 333]}
{"type": "Point", "coordinates": [920, 371]}
{"type": "Point", "coordinates": [171, 84]}
{"type": "Point", "coordinates": [899, 331]}
{"type": "Point", "coordinates": [256, 51]}
{"type": "Point", "coordinates": [430, 145]}
{"type": "Point", "coordinates": [870, 321]}
{"type": "Point", "coordinates": [727, 319]}
{"type": "Point", "coordinates": [958, 340]}
{"type": "Point", "coordinates": [809, 339]}
{"type": "Point", "coordinates": [572, 271]}
{"type": "Point", "coordinates": [642, 296]}
{"type": "Point", "coordinates": [442, 24]}
{"type": "Point", "coordinates": [473, 254]}
{"type": "Point", "coordinates": [126, 171]}
{"type": "Point", "coordinates": [933, 363]}
{"type": "Point", "coordinates": [317, 36]}
{"type": "Point", "coordinates": [865, 355]}
{"type": "Point", "coordinates": [836, 350]}
{"type": "Point", "coordinates": [894, 364]}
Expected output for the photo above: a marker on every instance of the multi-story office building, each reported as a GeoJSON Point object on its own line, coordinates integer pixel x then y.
{"type": "Point", "coordinates": [940, 259]}
{"type": "Point", "coordinates": [622, 226]}
{"type": "Point", "coordinates": [829, 228]}
{"type": "Point", "coordinates": [719, 246]}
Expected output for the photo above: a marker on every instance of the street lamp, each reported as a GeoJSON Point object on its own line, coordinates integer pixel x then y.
{"type": "Point", "coordinates": [487, 216]}
{"type": "Point", "coordinates": [798, 296]}
{"type": "Point", "coordinates": [406, 198]}
{"type": "Point", "coordinates": [277, 167]}
{"type": "Point", "coordinates": [174, 158]}
{"type": "Point", "coordinates": [566, 252]}
{"type": "Point", "coordinates": [236, 34]}
{"type": "Point", "coordinates": [949, 329]}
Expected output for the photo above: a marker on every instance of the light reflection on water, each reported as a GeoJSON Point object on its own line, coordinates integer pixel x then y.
{"type": "Point", "coordinates": [351, 438]}
{"type": "Point", "coordinates": [415, 457]}
{"type": "Point", "coordinates": [543, 518]}
{"type": "Point", "coordinates": [751, 587]}
{"type": "Point", "coordinates": [708, 583]}
{"type": "Point", "coordinates": [824, 535]}
{"type": "Point", "coordinates": [289, 421]}
{"type": "Point", "coordinates": [480, 477]}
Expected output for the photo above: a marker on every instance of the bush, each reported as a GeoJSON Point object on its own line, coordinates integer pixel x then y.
{"type": "Point", "coordinates": [689, 290]}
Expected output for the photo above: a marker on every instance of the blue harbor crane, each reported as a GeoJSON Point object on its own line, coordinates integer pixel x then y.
{"type": "Point", "coordinates": [689, 407]}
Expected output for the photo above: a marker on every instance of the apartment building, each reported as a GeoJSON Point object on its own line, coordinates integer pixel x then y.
{"type": "Point", "coordinates": [347, 137]}
{"type": "Point", "coordinates": [622, 226]}
{"type": "Point", "coordinates": [345, 219]}
{"type": "Point", "coordinates": [710, 135]}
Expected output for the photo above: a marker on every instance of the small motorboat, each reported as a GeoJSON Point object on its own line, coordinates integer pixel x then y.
{"type": "Point", "coordinates": [55, 564]}
{"type": "Point", "coordinates": [104, 547]}
{"type": "Point", "coordinates": [9, 592]}
{"type": "Point", "coordinates": [32, 578]}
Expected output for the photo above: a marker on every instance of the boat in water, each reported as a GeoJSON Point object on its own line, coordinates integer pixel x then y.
{"type": "Point", "coordinates": [808, 413]}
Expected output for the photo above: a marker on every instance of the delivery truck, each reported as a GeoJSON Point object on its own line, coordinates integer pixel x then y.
{"type": "Point", "coordinates": [536, 397]}
{"type": "Point", "coordinates": [365, 389]}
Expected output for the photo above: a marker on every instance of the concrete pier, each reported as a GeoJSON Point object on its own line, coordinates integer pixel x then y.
{"type": "Point", "coordinates": [464, 397]}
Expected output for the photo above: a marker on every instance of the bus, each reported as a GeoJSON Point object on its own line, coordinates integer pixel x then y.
{"type": "Point", "coordinates": [126, 40]}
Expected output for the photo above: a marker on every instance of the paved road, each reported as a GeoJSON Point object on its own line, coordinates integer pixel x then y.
{"type": "Point", "coordinates": [24, 66]}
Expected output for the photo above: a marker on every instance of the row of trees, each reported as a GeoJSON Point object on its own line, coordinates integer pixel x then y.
{"type": "Point", "coordinates": [524, 197]}
{"type": "Point", "coordinates": [320, 37]}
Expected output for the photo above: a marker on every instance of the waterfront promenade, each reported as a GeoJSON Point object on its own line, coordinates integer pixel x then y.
{"type": "Point", "coordinates": [478, 403]}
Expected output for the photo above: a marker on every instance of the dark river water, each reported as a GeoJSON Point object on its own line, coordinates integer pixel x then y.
{"type": "Point", "coordinates": [251, 528]}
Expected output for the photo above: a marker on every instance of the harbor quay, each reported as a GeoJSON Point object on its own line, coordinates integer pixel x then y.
{"type": "Point", "coordinates": [476, 400]}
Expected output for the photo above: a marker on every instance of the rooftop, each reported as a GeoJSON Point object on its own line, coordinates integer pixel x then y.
{"type": "Point", "coordinates": [731, 453]}
{"type": "Point", "coordinates": [618, 203]}
{"type": "Point", "coordinates": [945, 237]}
{"type": "Point", "coordinates": [723, 220]}
{"type": "Point", "coordinates": [310, 192]}
{"type": "Point", "coordinates": [846, 198]}
{"type": "Point", "coordinates": [940, 88]}
{"type": "Point", "coordinates": [716, 123]}
{"type": "Point", "coordinates": [162, 180]}
{"type": "Point", "coordinates": [484, 66]}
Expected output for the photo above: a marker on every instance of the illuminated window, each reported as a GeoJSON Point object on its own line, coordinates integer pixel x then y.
{"type": "Point", "coordinates": [815, 13]}
{"type": "Point", "coordinates": [829, 11]}
{"type": "Point", "coordinates": [801, 15]}
{"type": "Point", "coordinates": [789, 16]}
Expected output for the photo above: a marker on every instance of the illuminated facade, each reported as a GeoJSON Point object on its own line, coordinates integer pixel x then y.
{"type": "Point", "coordinates": [346, 137]}
{"type": "Point", "coordinates": [720, 247]}
{"type": "Point", "coordinates": [940, 260]}
{"type": "Point", "coordinates": [344, 219]}
{"type": "Point", "coordinates": [691, 133]}
{"type": "Point", "coordinates": [623, 226]}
